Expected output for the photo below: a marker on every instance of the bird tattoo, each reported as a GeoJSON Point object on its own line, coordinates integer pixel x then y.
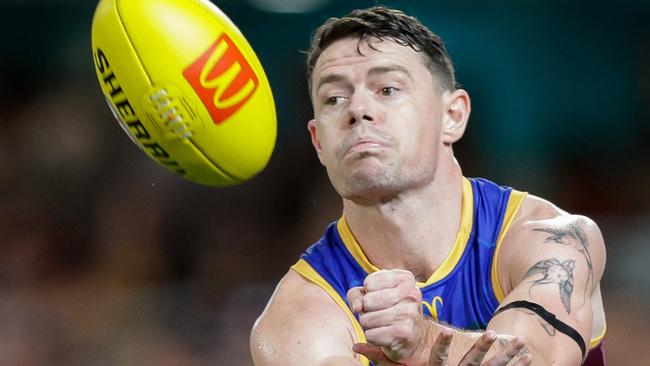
{"type": "Point", "coordinates": [554, 271]}
{"type": "Point", "coordinates": [574, 236]}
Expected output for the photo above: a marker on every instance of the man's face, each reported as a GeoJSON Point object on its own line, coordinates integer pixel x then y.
{"type": "Point", "coordinates": [377, 118]}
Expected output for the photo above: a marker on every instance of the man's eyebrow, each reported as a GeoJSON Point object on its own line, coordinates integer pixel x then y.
{"type": "Point", "coordinates": [375, 71]}
{"type": "Point", "coordinates": [331, 78]}
{"type": "Point", "coordinates": [379, 70]}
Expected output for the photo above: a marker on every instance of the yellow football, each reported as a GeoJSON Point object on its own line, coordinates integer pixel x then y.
{"type": "Point", "coordinates": [186, 86]}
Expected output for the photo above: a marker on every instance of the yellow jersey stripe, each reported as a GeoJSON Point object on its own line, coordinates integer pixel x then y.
{"type": "Point", "coordinates": [465, 229]}
{"type": "Point", "coordinates": [594, 341]}
{"type": "Point", "coordinates": [514, 202]}
{"type": "Point", "coordinates": [467, 219]}
{"type": "Point", "coordinates": [353, 247]}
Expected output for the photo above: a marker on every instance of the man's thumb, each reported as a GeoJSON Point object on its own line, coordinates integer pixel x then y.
{"type": "Point", "coordinates": [374, 353]}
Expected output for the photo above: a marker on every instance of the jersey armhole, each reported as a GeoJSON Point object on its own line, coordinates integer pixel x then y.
{"type": "Point", "coordinates": [309, 273]}
{"type": "Point", "coordinates": [595, 341]}
{"type": "Point", "coordinates": [514, 203]}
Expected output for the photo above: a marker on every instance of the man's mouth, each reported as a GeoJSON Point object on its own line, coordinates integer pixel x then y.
{"type": "Point", "coordinates": [366, 144]}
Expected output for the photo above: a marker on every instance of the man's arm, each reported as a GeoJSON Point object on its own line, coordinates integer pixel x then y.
{"type": "Point", "coordinates": [302, 325]}
{"type": "Point", "coordinates": [555, 261]}
{"type": "Point", "coordinates": [397, 332]}
{"type": "Point", "coordinates": [549, 258]}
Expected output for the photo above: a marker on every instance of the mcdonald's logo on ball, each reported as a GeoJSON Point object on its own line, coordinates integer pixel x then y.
{"type": "Point", "coordinates": [222, 78]}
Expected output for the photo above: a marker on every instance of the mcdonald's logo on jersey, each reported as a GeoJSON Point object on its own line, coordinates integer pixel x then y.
{"type": "Point", "coordinates": [222, 78]}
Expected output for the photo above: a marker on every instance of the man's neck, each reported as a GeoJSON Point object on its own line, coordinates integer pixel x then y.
{"type": "Point", "coordinates": [414, 231]}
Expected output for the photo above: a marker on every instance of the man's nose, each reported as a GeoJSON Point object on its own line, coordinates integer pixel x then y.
{"type": "Point", "coordinates": [361, 108]}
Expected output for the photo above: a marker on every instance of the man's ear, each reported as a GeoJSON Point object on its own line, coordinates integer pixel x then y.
{"type": "Point", "coordinates": [313, 133]}
{"type": "Point", "coordinates": [456, 114]}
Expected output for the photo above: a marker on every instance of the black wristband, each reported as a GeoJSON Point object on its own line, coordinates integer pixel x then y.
{"type": "Point", "coordinates": [549, 318]}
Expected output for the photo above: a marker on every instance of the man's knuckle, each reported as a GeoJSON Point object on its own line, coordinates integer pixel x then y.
{"type": "Point", "coordinates": [401, 316]}
{"type": "Point", "coordinates": [353, 294]}
{"type": "Point", "coordinates": [372, 335]}
{"type": "Point", "coordinates": [393, 297]}
{"type": "Point", "coordinates": [412, 313]}
{"type": "Point", "coordinates": [367, 302]}
{"type": "Point", "coordinates": [364, 320]}
{"type": "Point", "coordinates": [403, 332]}
{"type": "Point", "coordinates": [404, 273]}
{"type": "Point", "coordinates": [414, 297]}
{"type": "Point", "coordinates": [512, 352]}
{"type": "Point", "coordinates": [368, 281]}
{"type": "Point", "coordinates": [410, 292]}
{"type": "Point", "coordinates": [373, 277]}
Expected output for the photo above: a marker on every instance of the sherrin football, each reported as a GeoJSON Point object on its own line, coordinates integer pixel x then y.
{"type": "Point", "coordinates": [186, 86]}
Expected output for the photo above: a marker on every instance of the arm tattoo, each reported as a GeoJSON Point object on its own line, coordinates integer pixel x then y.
{"type": "Point", "coordinates": [574, 236]}
{"type": "Point", "coordinates": [554, 271]}
{"type": "Point", "coordinates": [547, 327]}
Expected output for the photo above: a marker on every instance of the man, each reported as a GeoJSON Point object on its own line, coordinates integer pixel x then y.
{"type": "Point", "coordinates": [419, 247]}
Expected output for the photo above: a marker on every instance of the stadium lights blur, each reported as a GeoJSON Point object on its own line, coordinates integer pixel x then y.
{"type": "Point", "coordinates": [288, 6]}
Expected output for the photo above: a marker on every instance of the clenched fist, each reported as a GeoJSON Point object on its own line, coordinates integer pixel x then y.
{"type": "Point", "coordinates": [390, 312]}
{"type": "Point", "coordinates": [398, 333]}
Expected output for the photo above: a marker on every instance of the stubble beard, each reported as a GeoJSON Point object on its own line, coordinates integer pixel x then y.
{"type": "Point", "coordinates": [380, 184]}
{"type": "Point", "coordinates": [366, 190]}
{"type": "Point", "coordinates": [371, 185]}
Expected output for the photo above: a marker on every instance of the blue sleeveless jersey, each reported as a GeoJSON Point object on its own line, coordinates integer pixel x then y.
{"type": "Point", "coordinates": [463, 292]}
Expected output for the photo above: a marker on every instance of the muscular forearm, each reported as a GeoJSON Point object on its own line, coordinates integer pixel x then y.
{"type": "Point", "coordinates": [546, 344]}
{"type": "Point", "coordinates": [399, 332]}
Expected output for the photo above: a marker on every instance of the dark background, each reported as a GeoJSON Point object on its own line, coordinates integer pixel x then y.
{"type": "Point", "coordinates": [107, 259]}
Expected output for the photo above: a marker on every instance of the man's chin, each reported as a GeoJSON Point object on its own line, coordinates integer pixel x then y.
{"type": "Point", "coordinates": [369, 190]}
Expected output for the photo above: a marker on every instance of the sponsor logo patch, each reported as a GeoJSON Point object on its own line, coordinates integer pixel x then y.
{"type": "Point", "coordinates": [222, 78]}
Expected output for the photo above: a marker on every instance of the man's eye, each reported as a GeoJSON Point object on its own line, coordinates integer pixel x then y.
{"type": "Point", "coordinates": [389, 91]}
{"type": "Point", "coordinates": [333, 100]}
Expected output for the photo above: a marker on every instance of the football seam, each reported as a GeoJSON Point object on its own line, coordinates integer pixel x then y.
{"type": "Point", "coordinates": [135, 50]}
{"type": "Point", "coordinates": [128, 37]}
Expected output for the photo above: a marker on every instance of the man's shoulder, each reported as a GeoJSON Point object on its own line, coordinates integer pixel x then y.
{"type": "Point", "coordinates": [300, 312]}
{"type": "Point", "coordinates": [295, 292]}
{"type": "Point", "coordinates": [295, 295]}
{"type": "Point", "coordinates": [538, 212]}
{"type": "Point", "coordinates": [543, 231]}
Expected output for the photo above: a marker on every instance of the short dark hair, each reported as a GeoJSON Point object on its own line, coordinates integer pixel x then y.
{"type": "Point", "coordinates": [383, 23]}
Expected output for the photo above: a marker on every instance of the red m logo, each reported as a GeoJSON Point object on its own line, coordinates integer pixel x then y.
{"type": "Point", "coordinates": [222, 78]}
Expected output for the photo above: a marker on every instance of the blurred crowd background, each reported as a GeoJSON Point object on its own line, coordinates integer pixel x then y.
{"type": "Point", "coordinates": [108, 259]}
